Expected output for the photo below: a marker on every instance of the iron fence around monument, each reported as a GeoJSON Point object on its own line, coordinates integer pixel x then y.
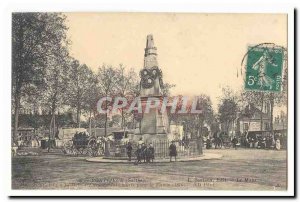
{"type": "Point", "coordinates": [161, 147]}
{"type": "Point", "coordinates": [184, 149]}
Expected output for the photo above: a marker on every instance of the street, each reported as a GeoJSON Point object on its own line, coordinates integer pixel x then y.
{"type": "Point", "coordinates": [242, 169]}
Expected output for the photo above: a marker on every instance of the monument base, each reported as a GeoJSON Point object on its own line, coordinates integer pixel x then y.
{"type": "Point", "coordinates": [148, 138]}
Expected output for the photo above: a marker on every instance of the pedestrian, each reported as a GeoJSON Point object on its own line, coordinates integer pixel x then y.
{"type": "Point", "coordinates": [268, 143]}
{"type": "Point", "coordinates": [273, 143]}
{"type": "Point", "coordinates": [144, 147]}
{"type": "Point", "coordinates": [129, 151]}
{"type": "Point", "coordinates": [208, 143]}
{"type": "Point", "coordinates": [251, 143]}
{"type": "Point", "coordinates": [14, 149]}
{"type": "Point", "coordinates": [151, 152]}
{"type": "Point", "coordinates": [277, 144]}
{"type": "Point", "coordinates": [234, 142]}
{"type": "Point", "coordinates": [147, 154]}
{"type": "Point", "coordinates": [139, 154]}
{"type": "Point", "coordinates": [172, 151]}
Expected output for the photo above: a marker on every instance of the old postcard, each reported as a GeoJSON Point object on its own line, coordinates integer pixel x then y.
{"type": "Point", "coordinates": [151, 102]}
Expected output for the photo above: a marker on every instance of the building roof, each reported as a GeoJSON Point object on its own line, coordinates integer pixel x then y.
{"type": "Point", "coordinates": [252, 112]}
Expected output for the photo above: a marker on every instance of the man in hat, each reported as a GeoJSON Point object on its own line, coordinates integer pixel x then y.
{"type": "Point", "coordinates": [139, 154]}
{"type": "Point", "coordinates": [234, 142]}
{"type": "Point", "coordinates": [144, 151]}
{"type": "Point", "coordinates": [129, 151]}
{"type": "Point", "coordinates": [150, 153]}
{"type": "Point", "coordinates": [172, 151]}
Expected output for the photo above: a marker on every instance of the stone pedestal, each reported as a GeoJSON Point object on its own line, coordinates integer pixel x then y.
{"type": "Point", "coordinates": [148, 138]}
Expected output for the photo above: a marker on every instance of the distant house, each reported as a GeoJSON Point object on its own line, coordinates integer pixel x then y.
{"type": "Point", "coordinates": [251, 120]}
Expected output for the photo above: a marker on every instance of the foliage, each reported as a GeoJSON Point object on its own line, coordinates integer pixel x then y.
{"type": "Point", "coordinates": [80, 80]}
{"type": "Point", "coordinates": [166, 89]}
{"type": "Point", "coordinates": [37, 40]}
{"type": "Point", "coordinates": [228, 108]}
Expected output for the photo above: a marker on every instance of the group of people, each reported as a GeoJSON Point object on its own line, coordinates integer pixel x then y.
{"type": "Point", "coordinates": [218, 142]}
{"type": "Point", "coordinates": [262, 143]}
{"type": "Point", "coordinates": [146, 152]}
{"type": "Point", "coordinates": [258, 142]}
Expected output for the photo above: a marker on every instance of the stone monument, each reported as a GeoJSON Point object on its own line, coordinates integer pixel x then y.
{"type": "Point", "coordinates": [154, 125]}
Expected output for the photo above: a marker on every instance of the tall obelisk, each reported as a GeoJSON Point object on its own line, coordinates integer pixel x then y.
{"type": "Point", "coordinates": [154, 124]}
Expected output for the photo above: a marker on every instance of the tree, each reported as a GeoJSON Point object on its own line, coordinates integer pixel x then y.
{"type": "Point", "coordinates": [91, 99]}
{"type": "Point", "coordinates": [126, 88]}
{"type": "Point", "coordinates": [54, 88]}
{"type": "Point", "coordinates": [193, 123]}
{"type": "Point", "coordinates": [80, 79]}
{"type": "Point", "coordinates": [166, 89]}
{"type": "Point", "coordinates": [36, 37]}
{"type": "Point", "coordinates": [207, 115]}
{"type": "Point", "coordinates": [204, 104]}
{"type": "Point", "coordinates": [107, 81]}
{"type": "Point", "coordinates": [228, 108]}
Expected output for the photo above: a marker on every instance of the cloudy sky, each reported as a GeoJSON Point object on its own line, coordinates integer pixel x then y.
{"type": "Point", "coordinates": [199, 53]}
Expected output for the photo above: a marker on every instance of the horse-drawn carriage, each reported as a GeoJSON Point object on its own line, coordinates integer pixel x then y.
{"type": "Point", "coordinates": [222, 140]}
{"type": "Point", "coordinates": [83, 144]}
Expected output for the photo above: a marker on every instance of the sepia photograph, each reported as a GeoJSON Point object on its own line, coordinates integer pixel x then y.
{"type": "Point", "coordinates": [135, 101]}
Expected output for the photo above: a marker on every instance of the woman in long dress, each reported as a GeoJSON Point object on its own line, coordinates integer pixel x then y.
{"type": "Point", "coordinates": [261, 66]}
{"type": "Point", "coordinates": [277, 144]}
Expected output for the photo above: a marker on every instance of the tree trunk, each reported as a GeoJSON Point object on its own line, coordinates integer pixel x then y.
{"type": "Point", "coordinates": [78, 116]}
{"type": "Point", "coordinates": [90, 123]}
{"type": "Point", "coordinates": [107, 145]}
{"type": "Point", "coordinates": [50, 132]}
{"type": "Point", "coordinates": [227, 127]}
{"type": "Point", "coordinates": [95, 124]}
{"type": "Point", "coordinates": [105, 125]}
{"type": "Point", "coordinates": [16, 118]}
{"type": "Point", "coordinates": [123, 119]}
{"type": "Point", "coordinates": [140, 126]}
{"type": "Point", "coordinates": [54, 126]}
{"type": "Point", "coordinates": [19, 80]}
{"type": "Point", "coordinates": [201, 127]}
{"type": "Point", "coordinates": [271, 114]}
{"type": "Point", "coordinates": [199, 142]}
{"type": "Point", "coordinates": [261, 114]}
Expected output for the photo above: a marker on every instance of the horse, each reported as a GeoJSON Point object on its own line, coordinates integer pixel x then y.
{"type": "Point", "coordinates": [218, 142]}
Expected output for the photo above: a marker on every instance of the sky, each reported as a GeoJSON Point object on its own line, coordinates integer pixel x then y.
{"type": "Point", "coordinates": [200, 53]}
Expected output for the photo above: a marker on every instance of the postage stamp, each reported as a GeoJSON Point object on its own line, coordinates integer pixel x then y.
{"type": "Point", "coordinates": [264, 69]}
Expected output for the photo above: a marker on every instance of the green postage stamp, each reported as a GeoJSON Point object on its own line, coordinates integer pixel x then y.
{"type": "Point", "coordinates": [264, 69]}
